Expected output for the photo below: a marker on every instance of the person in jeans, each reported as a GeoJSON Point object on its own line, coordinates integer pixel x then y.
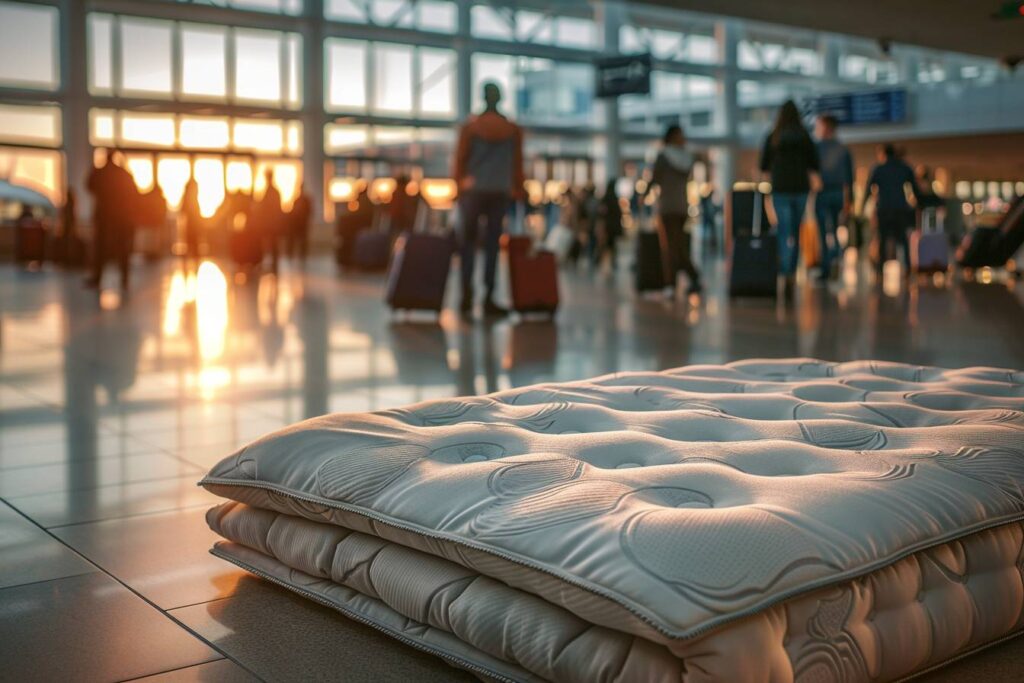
{"type": "Point", "coordinates": [790, 159]}
{"type": "Point", "coordinates": [489, 174]}
{"type": "Point", "coordinates": [836, 192]}
{"type": "Point", "coordinates": [672, 169]}
{"type": "Point", "coordinates": [887, 183]}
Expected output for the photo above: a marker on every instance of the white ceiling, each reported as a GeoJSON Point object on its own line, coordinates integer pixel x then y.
{"type": "Point", "coordinates": [957, 25]}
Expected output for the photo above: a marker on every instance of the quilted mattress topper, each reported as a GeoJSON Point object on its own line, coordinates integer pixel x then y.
{"type": "Point", "coordinates": [689, 497]}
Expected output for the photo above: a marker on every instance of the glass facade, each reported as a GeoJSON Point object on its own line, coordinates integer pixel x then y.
{"type": "Point", "coordinates": [222, 88]}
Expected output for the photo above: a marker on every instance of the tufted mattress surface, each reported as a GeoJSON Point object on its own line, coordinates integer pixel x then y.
{"type": "Point", "coordinates": [775, 504]}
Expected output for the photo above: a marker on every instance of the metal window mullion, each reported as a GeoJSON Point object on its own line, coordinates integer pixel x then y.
{"type": "Point", "coordinates": [177, 63]}
{"type": "Point", "coordinates": [116, 56]}
{"type": "Point", "coordinates": [230, 66]}
{"type": "Point", "coordinates": [284, 77]}
{"type": "Point", "coordinates": [369, 78]}
{"type": "Point", "coordinates": [417, 89]}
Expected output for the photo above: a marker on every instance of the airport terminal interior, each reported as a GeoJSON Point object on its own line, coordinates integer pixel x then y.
{"type": "Point", "coordinates": [769, 443]}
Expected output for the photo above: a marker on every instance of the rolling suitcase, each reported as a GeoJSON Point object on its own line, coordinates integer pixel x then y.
{"type": "Point", "coordinates": [1011, 234]}
{"type": "Point", "coordinates": [929, 247]}
{"type": "Point", "coordinates": [534, 276]}
{"type": "Point", "coordinates": [650, 269]}
{"type": "Point", "coordinates": [29, 241]}
{"type": "Point", "coordinates": [419, 272]}
{"type": "Point", "coordinates": [754, 264]}
{"type": "Point", "coordinates": [742, 207]}
{"type": "Point", "coordinates": [371, 251]}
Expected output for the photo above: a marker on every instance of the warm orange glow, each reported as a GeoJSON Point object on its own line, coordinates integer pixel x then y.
{"type": "Point", "coordinates": [172, 173]}
{"type": "Point", "coordinates": [382, 189]}
{"type": "Point", "coordinates": [438, 192]}
{"type": "Point", "coordinates": [149, 130]}
{"type": "Point", "coordinates": [259, 136]}
{"type": "Point", "coordinates": [141, 168]}
{"type": "Point", "coordinates": [239, 176]}
{"type": "Point", "coordinates": [211, 326]}
{"type": "Point", "coordinates": [345, 189]}
{"type": "Point", "coordinates": [209, 174]}
{"type": "Point", "coordinates": [287, 175]}
{"type": "Point", "coordinates": [37, 169]}
{"type": "Point", "coordinates": [180, 292]}
{"type": "Point", "coordinates": [204, 133]}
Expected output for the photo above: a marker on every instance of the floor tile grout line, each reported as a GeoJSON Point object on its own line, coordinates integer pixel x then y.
{"type": "Point", "coordinates": [136, 593]}
{"type": "Point", "coordinates": [58, 492]}
{"type": "Point", "coordinates": [134, 515]}
{"type": "Point", "coordinates": [92, 570]}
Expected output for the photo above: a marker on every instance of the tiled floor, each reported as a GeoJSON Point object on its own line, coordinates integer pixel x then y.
{"type": "Point", "coordinates": [110, 410]}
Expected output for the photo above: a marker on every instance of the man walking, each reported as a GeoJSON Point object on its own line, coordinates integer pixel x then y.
{"type": "Point", "coordinates": [489, 173]}
{"type": "Point", "coordinates": [888, 182]}
{"type": "Point", "coordinates": [836, 192]}
{"type": "Point", "coordinates": [115, 200]}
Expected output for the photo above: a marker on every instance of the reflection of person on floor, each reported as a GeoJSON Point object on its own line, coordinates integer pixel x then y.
{"type": "Point", "coordinates": [298, 225]}
{"type": "Point", "coordinates": [489, 174]}
{"type": "Point", "coordinates": [192, 217]}
{"type": "Point", "coordinates": [115, 197]}
{"type": "Point", "coordinates": [672, 170]}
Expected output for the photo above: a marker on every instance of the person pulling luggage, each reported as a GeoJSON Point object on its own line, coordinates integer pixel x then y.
{"type": "Point", "coordinates": [887, 183]}
{"type": "Point", "coordinates": [488, 170]}
{"type": "Point", "coordinates": [672, 169]}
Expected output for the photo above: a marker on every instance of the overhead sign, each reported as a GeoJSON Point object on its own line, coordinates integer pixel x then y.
{"type": "Point", "coordinates": [623, 75]}
{"type": "Point", "coordinates": [865, 108]}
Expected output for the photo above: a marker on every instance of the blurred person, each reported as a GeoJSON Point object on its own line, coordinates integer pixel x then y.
{"type": "Point", "coordinates": [790, 159]}
{"type": "Point", "coordinates": [709, 215]}
{"type": "Point", "coordinates": [357, 216]}
{"type": "Point", "coordinates": [489, 174]}
{"type": "Point", "coordinates": [70, 250]}
{"type": "Point", "coordinates": [193, 218]}
{"type": "Point", "coordinates": [269, 219]}
{"type": "Point", "coordinates": [403, 207]}
{"type": "Point", "coordinates": [928, 198]}
{"type": "Point", "coordinates": [672, 169]}
{"type": "Point", "coordinates": [836, 193]}
{"type": "Point", "coordinates": [611, 224]}
{"type": "Point", "coordinates": [587, 220]}
{"type": "Point", "coordinates": [888, 185]}
{"type": "Point", "coordinates": [298, 225]}
{"type": "Point", "coordinates": [115, 197]}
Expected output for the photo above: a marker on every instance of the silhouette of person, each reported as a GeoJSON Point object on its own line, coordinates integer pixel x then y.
{"type": "Point", "coordinates": [298, 220]}
{"type": "Point", "coordinates": [672, 170]}
{"type": "Point", "coordinates": [115, 199]}
{"type": "Point", "coordinates": [193, 218]}
{"type": "Point", "coordinates": [270, 219]}
{"type": "Point", "coordinates": [489, 174]}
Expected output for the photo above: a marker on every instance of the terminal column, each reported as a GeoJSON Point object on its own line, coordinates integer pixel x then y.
{"type": "Point", "coordinates": [74, 96]}
{"type": "Point", "coordinates": [313, 118]}
{"type": "Point", "coordinates": [464, 63]}
{"type": "Point", "coordinates": [727, 108]}
{"type": "Point", "coordinates": [609, 16]}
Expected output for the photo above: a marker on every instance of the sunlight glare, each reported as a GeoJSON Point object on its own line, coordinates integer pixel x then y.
{"type": "Point", "coordinates": [211, 311]}
{"type": "Point", "coordinates": [172, 173]}
{"type": "Point", "coordinates": [209, 174]}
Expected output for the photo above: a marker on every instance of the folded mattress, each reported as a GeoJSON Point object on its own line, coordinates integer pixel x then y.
{"type": "Point", "coordinates": [788, 520]}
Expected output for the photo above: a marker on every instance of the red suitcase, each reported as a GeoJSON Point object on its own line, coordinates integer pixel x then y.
{"type": "Point", "coordinates": [534, 275]}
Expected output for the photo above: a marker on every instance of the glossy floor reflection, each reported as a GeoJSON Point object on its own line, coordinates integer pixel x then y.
{"type": "Point", "coordinates": [111, 409]}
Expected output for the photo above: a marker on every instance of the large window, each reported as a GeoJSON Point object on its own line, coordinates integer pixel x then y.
{"type": "Point", "coordinates": [697, 48]}
{"type": "Point", "coordinates": [28, 46]}
{"type": "Point", "coordinates": [292, 7]}
{"type": "Point", "coordinates": [267, 67]}
{"type": "Point", "coordinates": [529, 26]}
{"type": "Point", "coordinates": [538, 91]}
{"type": "Point", "coordinates": [439, 16]}
{"type": "Point", "coordinates": [30, 125]}
{"type": "Point", "coordinates": [39, 169]}
{"type": "Point", "coordinates": [390, 79]}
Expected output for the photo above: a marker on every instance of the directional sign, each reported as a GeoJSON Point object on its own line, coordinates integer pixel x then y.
{"type": "Point", "coordinates": [865, 108]}
{"type": "Point", "coordinates": [623, 75]}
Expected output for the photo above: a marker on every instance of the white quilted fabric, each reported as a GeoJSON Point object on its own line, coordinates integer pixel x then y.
{"type": "Point", "coordinates": [666, 505]}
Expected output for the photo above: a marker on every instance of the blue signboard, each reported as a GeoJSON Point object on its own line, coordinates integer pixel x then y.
{"type": "Point", "coordinates": [623, 75]}
{"type": "Point", "coordinates": [866, 108]}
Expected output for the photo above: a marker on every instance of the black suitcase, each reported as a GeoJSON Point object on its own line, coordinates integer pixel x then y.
{"type": "Point", "coordinates": [754, 263]}
{"type": "Point", "coordinates": [1011, 234]}
{"type": "Point", "coordinates": [419, 272]}
{"type": "Point", "coordinates": [650, 269]}
{"type": "Point", "coordinates": [745, 207]}
{"type": "Point", "coordinates": [372, 250]}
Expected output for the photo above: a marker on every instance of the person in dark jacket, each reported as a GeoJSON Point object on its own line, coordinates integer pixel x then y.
{"type": "Point", "coordinates": [298, 225]}
{"type": "Point", "coordinates": [193, 219]}
{"type": "Point", "coordinates": [114, 198]}
{"type": "Point", "coordinates": [611, 224]}
{"type": "Point", "coordinates": [790, 159]}
{"type": "Point", "coordinates": [403, 208]}
{"type": "Point", "coordinates": [489, 174]}
{"type": "Point", "coordinates": [672, 169]}
{"type": "Point", "coordinates": [836, 192]}
{"type": "Point", "coordinates": [888, 184]}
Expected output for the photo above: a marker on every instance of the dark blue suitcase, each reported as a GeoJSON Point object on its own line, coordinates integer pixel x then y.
{"type": "Point", "coordinates": [372, 250]}
{"type": "Point", "coordinates": [754, 262]}
{"type": "Point", "coordinates": [650, 268]}
{"type": "Point", "coordinates": [419, 272]}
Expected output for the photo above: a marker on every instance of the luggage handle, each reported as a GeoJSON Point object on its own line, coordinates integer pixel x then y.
{"type": "Point", "coordinates": [758, 213]}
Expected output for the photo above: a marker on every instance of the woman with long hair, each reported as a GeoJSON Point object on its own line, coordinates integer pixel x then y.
{"type": "Point", "coordinates": [790, 159]}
